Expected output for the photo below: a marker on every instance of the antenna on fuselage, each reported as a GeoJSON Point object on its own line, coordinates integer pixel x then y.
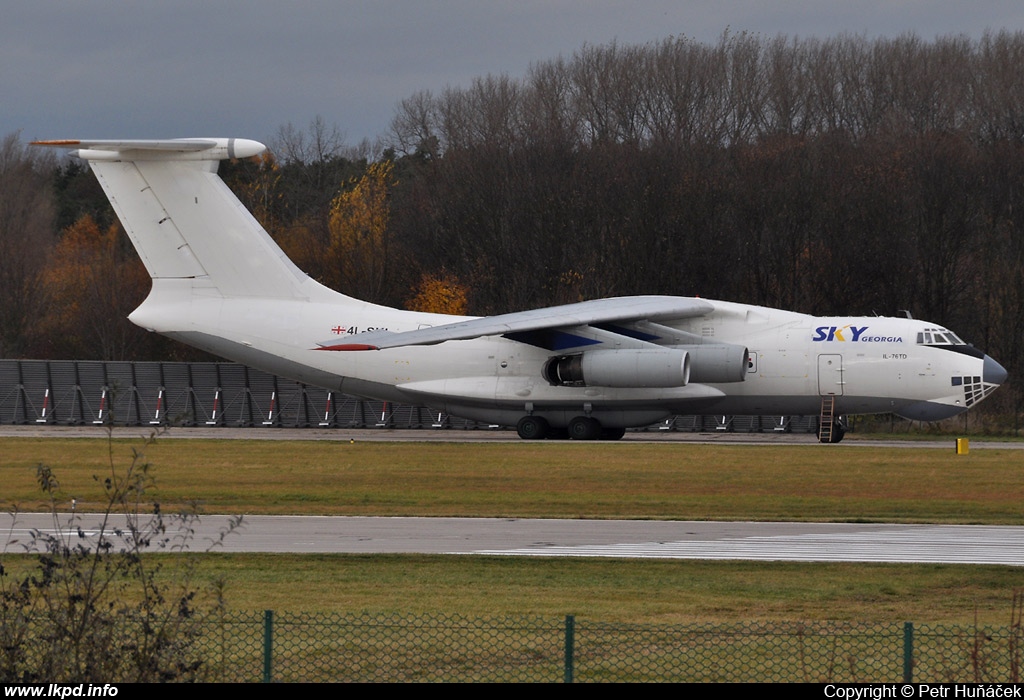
{"type": "Point", "coordinates": [906, 314]}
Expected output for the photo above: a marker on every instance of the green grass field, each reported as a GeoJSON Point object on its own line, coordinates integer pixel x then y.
{"type": "Point", "coordinates": [622, 480]}
{"type": "Point", "coordinates": [545, 480]}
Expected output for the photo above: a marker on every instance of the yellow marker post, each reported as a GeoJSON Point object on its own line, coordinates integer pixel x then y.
{"type": "Point", "coordinates": [962, 446]}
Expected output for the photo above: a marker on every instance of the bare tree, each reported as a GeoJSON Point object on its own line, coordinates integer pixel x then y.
{"type": "Point", "coordinates": [27, 215]}
{"type": "Point", "coordinates": [318, 143]}
{"type": "Point", "coordinates": [414, 126]}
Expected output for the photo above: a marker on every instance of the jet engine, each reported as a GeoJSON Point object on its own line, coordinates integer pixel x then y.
{"type": "Point", "coordinates": [711, 363]}
{"type": "Point", "coordinates": [620, 368]}
{"type": "Point", "coordinates": [716, 363]}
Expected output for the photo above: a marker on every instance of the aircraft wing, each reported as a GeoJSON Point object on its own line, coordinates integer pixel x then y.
{"type": "Point", "coordinates": [585, 313]}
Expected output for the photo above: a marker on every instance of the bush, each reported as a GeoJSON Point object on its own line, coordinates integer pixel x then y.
{"type": "Point", "coordinates": [95, 605]}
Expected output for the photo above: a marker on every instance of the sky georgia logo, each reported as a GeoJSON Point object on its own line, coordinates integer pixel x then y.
{"type": "Point", "coordinates": [851, 333]}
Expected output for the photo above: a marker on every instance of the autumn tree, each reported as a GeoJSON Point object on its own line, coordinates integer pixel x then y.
{"type": "Point", "coordinates": [93, 281]}
{"type": "Point", "coordinates": [358, 253]}
{"type": "Point", "coordinates": [439, 294]}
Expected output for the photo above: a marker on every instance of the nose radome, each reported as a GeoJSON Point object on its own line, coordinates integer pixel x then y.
{"type": "Point", "coordinates": [992, 372]}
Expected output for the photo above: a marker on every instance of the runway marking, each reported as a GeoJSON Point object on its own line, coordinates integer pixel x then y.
{"type": "Point", "coordinates": [938, 545]}
{"type": "Point", "coordinates": [63, 532]}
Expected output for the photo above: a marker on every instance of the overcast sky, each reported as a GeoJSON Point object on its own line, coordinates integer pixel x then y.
{"type": "Point", "coordinates": [104, 69]}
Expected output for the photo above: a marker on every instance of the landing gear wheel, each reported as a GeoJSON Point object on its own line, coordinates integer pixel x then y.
{"type": "Point", "coordinates": [612, 433]}
{"type": "Point", "coordinates": [532, 428]}
{"type": "Point", "coordinates": [584, 428]}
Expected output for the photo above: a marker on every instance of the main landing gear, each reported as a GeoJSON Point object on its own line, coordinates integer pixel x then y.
{"type": "Point", "coordinates": [579, 428]}
{"type": "Point", "coordinates": [532, 428]}
{"type": "Point", "coordinates": [584, 428]}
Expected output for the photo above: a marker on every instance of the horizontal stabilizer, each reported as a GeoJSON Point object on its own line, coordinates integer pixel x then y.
{"type": "Point", "coordinates": [166, 149]}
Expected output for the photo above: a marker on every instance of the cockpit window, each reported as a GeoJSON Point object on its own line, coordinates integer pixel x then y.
{"type": "Point", "coordinates": [938, 336]}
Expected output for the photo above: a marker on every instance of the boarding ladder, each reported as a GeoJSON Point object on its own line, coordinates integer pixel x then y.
{"type": "Point", "coordinates": [825, 421]}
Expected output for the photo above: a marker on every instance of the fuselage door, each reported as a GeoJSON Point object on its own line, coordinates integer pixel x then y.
{"type": "Point", "coordinates": [830, 375]}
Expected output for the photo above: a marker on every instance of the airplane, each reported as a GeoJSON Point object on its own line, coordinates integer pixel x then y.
{"type": "Point", "coordinates": [587, 370]}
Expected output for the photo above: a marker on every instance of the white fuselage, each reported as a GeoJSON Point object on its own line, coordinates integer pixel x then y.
{"type": "Point", "coordinates": [870, 364]}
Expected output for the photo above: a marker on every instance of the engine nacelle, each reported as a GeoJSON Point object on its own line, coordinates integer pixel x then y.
{"type": "Point", "coordinates": [716, 363]}
{"type": "Point", "coordinates": [667, 367]}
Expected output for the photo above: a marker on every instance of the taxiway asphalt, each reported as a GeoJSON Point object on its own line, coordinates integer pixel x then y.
{"type": "Point", "coordinates": [482, 435]}
{"type": "Point", "coordinates": [758, 541]}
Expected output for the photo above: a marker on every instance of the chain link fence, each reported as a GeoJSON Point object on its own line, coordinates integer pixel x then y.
{"type": "Point", "coordinates": [297, 647]}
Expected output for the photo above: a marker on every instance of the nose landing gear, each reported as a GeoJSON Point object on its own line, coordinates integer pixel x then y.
{"type": "Point", "coordinates": [832, 432]}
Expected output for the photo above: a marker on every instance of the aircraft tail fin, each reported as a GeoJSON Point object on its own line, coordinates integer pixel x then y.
{"type": "Point", "coordinates": [185, 222]}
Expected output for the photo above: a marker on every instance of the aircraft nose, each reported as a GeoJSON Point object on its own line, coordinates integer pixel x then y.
{"type": "Point", "coordinates": [992, 372]}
